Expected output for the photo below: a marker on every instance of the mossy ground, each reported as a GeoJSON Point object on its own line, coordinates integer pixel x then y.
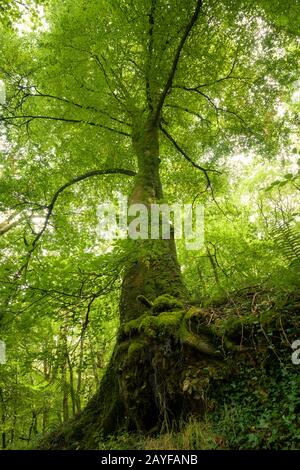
{"type": "Point", "coordinates": [214, 377]}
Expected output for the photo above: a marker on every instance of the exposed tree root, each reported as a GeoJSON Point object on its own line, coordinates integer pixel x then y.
{"type": "Point", "coordinates": [159, 373]}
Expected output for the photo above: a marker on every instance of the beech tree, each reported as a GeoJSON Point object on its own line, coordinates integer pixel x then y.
{"type": "Point", "coordinates": [136, 95]}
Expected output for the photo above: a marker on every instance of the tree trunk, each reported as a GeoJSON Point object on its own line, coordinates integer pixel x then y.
{"type": "Point", "coordinates": [3, 419]}
{"type": "Point", "coordinates": [64, 375]}
{"type": "Point", "coordinates": [155, 271]}
{"type": "Point", "coordinates": [147, 383]}
{"type": "Point", "coordinates": [79, 373]}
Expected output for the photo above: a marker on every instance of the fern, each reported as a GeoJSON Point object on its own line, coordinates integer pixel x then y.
{"type": "Point", "coordinates": [287, 238]}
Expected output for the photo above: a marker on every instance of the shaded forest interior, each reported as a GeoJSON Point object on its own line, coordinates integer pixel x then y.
{"type": "Point", "coordinates": [141, 341]}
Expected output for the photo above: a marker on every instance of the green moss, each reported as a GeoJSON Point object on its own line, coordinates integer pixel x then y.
{"type": "Point", "coordinates": [202, 315]}
{"type": "Point", "coordinates": [199, 342]}
{"type": "Point", "coordinates": [234, 325]}
{"type": "Point", "coordinates": [135, 347]}
{"type": "Point", "coordinates": [146, 302]}
{"type": "Point", "coordinates": [166, 302]}
{"type": "Point", "coordinates": [132, 327]}
{"type": "Point", "coordinates": [152, 325]}
{"type": "Point", "coordinates": [167, 322]}
{"type": "Point", "coordinates": [202, 340]}
{"type": "Point", "coordinates": [175, 323]}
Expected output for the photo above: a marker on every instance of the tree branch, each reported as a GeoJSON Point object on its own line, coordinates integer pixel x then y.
{"type": "Point", "coordinates": [72, 121]}
{"type": "Point", "coordinates": [64, 100]}
{"type": "Point", "coordinates": [150, 53]}
{"type": "Point", "coordinates": [183, 40]}
{"type": "Point", "coordinates": [217, 108]}
{"type": "Point", "coordinates": [228, 76]}
{"type": "Point", "coordinates": [185, 155]}
{"type": "Point", "coordinates": [60, 190]}
{"type": "Point", "coordinates": [201, 168]}
{"type": "Point", "coordinates": [107, 79]}
{"type": "Point", "coordinates": [50, 207]}
{"type": "Point", "coordinates": [189, 111]}
{"type": "Point", "coordinates": [8, 225]}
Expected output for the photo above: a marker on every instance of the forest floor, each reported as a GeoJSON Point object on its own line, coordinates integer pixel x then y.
{"type": "Point", "coordinates": [258, 407]}
{"type": "Point", "coordinates": [257, 404]}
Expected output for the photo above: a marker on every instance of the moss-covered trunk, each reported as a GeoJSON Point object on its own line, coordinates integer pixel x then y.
{"type": "Point", "coordinates": [155, 269]}
{"type": "Point", "coordinates": [158, 371]}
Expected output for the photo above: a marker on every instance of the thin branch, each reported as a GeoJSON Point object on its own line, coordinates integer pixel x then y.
{"type": "Point", "coordinates": [101, 67]}
{"type": "Point", "coordinates": [22, 5]}
{"type": "Point", "coordinates": [72, 121]}
{"type": "Point", "coordinates": [195, 165]}
{"type": "Point", "coordinates": [64, 100]}
{"type": "Point", "coordinates": [207, 97]}
{"type": "Point", "coordinates": [50, 207]}
{"type": "Point", "coordinates": [150, 53]}
{"type": "Point", "coordinates": [185, 155]}
{"type": "Point", "coordinates": [217, 109]}
{"type": "Point", "coordinates": [75, 180]}
{"type": "Point", "coordinates": [183, 40]}
{"type": "Point", "coordinates": [105, 74]}
{"type": "Point", "coordinates": [189, 111]}
{"type": "Point", "coordinates": [229, 75]}
{"type": "Point", "coordinates": [7, 225]}
{"type": "Point", "coordinates": [87, 316]}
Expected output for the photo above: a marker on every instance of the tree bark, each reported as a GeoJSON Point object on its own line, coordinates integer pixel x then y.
{"type": "Point", "coordinates": [144, 387]}
{"type": "Point", "coordinates": [155, 270]}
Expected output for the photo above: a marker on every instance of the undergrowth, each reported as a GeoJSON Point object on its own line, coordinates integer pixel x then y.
{"type": "Point", "coordinates": [258, 405]}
